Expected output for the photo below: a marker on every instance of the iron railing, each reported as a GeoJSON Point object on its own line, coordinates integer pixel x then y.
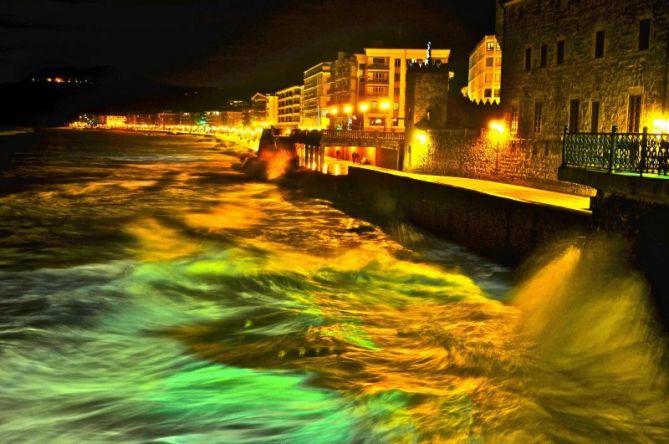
{"type": "Point", "coordinates": [356, 135]}
{"type": "Point", "coordinates": [614, 152]}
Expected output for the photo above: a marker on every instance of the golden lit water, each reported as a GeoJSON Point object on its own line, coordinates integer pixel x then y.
{"type": "Point", "coordinates": [149, 293]}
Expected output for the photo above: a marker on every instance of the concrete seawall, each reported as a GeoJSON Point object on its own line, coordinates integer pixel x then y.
{"type": "Point", "coordinates": [504, 229]}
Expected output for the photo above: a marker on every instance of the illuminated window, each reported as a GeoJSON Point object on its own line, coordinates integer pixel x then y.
{"type": "Point", "coordinates": [634, 114]}
{"type": "Point", "coordinates": [544, 56]}
{"type": "Point", "coordinates": [594, 118]}
{"type": "Point", "coordinates": [600, 37]}
{"type": "Point", "coordinates": [538, 111]}
{"type": "Point", "coordinates": [396, 106]}
{"type": "Point", "coordinates": [559, 53]}
{"type": "Point", "coordinates": [490, 46]}
{"type": "Point", "coordinates": [398, 63]}
{"type": "Point", "coordinates": [644, 34]}
{"type": "Point", "coordinates": [528, 59]}
{"type": "Point", "coordinates": [497, 93]}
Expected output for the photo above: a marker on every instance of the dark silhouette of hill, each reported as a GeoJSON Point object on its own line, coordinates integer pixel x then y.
{"type": "Point", "coordinates": [38, 102]}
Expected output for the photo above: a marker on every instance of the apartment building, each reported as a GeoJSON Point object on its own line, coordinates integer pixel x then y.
{"type": "Point", "coordinates": [368, 90]}
{"type": "Point", "coordinates": [485, 72]}
{"type": "Point", "coordinates": [315, 96]}
{"type": "Point", "coordinates": [289, 106]}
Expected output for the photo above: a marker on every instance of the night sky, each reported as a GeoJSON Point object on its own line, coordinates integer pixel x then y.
{"type": "Point", "coordinates": [244, 45]}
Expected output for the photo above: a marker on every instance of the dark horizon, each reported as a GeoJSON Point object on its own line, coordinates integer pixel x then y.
{"type": "Point", "coordinates": [262, 45]}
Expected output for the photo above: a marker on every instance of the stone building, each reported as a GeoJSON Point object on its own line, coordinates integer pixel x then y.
{"type": "Point", "coordinates": [588, 64]}
{"type": "Point", "coordinates": [315, 96]}
{"type": "Point", "coordinates": [485, 72]}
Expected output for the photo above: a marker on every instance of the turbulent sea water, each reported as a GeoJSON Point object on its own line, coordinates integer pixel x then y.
{"type": "Point", "coordinates": [149, 293]}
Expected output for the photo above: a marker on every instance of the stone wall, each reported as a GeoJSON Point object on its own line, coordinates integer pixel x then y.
{"type": "Point", "coordinates": [505, 230]}
{"type": "Point", "coordinates": [624, 70]}
{"type": "Point", "coordinates": [470, 153]}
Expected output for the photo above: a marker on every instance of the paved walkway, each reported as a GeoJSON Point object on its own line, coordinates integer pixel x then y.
{"type": "Point", "coordinates": [504, 190]}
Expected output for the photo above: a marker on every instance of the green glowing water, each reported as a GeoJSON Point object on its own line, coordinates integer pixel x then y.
{"type": "Point", "coordinates": [148, 293]}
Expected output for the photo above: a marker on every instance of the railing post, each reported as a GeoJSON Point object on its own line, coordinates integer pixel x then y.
{"type": "Point", "coordinates": [564, 145]}
{"type": "Point", "coordinates": [612, 148]}
{"type": "Point", "coordinates": [644, 150]}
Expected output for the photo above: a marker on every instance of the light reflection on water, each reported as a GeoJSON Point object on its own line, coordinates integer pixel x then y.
{"type": "Point", "coordinates": [149, 293]}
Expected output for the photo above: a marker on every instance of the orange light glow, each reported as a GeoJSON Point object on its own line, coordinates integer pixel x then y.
{"type": "Point", "coordinates": [348, 109]}
{"type": "Point", "coordinates": [364, 107]}
{"type": "Point", "coordinates": [334, 110]}
{"type": "Point", "coordinates": [661, 126]}
{"type": "Point", "coordinates": [385, 105]}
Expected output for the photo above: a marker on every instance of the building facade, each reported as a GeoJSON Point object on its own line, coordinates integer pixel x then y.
{"type": "Point", "coordinates": [315, 96]}
{"type": "Point", "coordinates": [289, 107]}
{"type": "Point", "coordinates": [368, 90]}
{"type": "Point", "coordinates": [485, 72]}
{"type": "Point", "coordinates": [263, 111]}
{"type": "Point", "coordinates": [586, 64]}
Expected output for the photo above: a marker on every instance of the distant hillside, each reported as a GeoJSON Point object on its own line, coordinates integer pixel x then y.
{"type": "Point", "coordinates": [54, 96]}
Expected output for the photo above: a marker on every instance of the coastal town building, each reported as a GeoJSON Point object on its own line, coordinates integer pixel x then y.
{"type": "Point", "coordinates": [368, 89]}
{"type": "Point", "coordinates": [485, 72]}
{"type": "Point", "coordinates": [289, 107]}
{"type": "Point", "coordinates": [587, 64]}
{"type": "Point", "coordinates": [112, 121]}
{"type": "Point", "coordinates": [315, 97]}
{"type": "Point", "coordinates": [263, 111]}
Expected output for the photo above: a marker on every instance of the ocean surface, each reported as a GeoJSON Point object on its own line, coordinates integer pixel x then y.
{"type": "Point", "coordinates": [151, 293]}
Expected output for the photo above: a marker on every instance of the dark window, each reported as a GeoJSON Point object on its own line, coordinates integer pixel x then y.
{"type": "Point", "coordinates": [634, 114]}
{"type": "Point", "coordinates": [600, 36]}
{"type": "Point", "coordinates": [496, 93]}
{"type": "Point", "coordinates": [544, 55]}
{"type": "Point", "coordinates": [398, 63]}
{"type": "Point", "coordinates": [559, 57]}
{"type": "Point", "coordinates": [362, 67]}
{"type": "Point", "coordinates": [644, 34]}
{"type": "Point", "coordinates": [488, 61]}
{"type": "Point", "coordinates": [528, 59]}
{"type": "Point", "coordinates": [487, 92]}
{"type": "Point", "coordinates": [594, 118]}
{"type": "Point", "coordinates": [538, 110]}
{"type": "Point", "coordinates": [397, 77]}
{"type": "Point", "coordinates": [573, 116]}
{"type": "Point", "coordinates": [514, 119]}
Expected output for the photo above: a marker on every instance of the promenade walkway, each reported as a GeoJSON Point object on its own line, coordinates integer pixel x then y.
{"type": "Point", "coordinates": [503, 190]}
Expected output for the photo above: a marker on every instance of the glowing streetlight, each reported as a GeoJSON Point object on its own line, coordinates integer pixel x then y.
{"type": "Point", "coordinates": [661, 126]}
{"type": "Point", "coordinates": [421, 137]}
{"type": "Point", "coordinates": [334, 111]}
{"type": "Point", "coordinates": [363, 107]}
{"type": "Point", "coordinates": [348, 109]}
{"type": "Point", "coordinates": [497, 126]}
{"type": "Point", "coordinates": [385, 105]}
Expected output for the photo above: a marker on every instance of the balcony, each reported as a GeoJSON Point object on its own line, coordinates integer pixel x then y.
{"type": "Point", "coordinates": [381, 66]}
{"type": "Point", "coordinates": [377, 81]}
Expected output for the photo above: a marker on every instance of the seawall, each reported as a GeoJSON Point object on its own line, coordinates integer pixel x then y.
{"type": "Point", "coordinates": [503, 229]}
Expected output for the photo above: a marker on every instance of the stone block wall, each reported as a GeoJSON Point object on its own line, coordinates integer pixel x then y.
{"type": "Point", "coordinates": [468, 153]}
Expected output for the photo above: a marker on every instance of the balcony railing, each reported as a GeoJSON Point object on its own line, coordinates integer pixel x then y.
{"type": "Point", "coordinates": [362, 136]}
{"type": "Point", "coordinates": [614, 152]}
{"type": "Point", "coordinates": [378, 66]}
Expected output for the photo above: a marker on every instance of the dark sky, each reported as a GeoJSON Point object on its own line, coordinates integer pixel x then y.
{"type": "Point", "coordinates": [240, 44]}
